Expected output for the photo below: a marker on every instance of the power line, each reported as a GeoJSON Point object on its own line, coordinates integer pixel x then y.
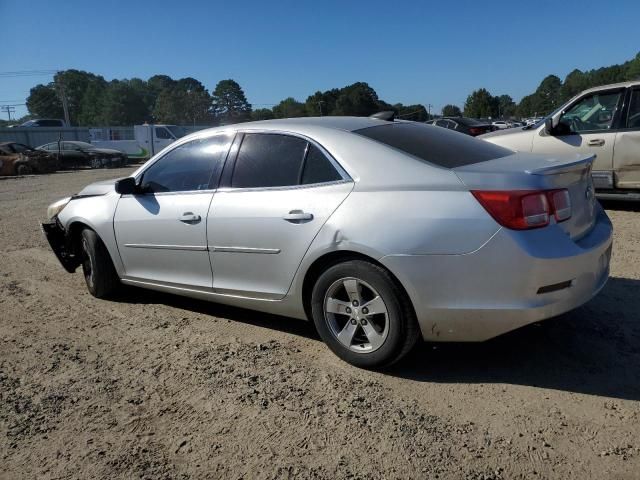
{"type": "Point", "coordinates": [27, 73]}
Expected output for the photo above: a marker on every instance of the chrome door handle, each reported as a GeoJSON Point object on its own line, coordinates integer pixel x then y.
{"type": "Point", "coordinates": [189, 217]}
{"type": "Point", "coordinates": [596, 142]}
{"type": "Point", "coordinates": [298, 216]}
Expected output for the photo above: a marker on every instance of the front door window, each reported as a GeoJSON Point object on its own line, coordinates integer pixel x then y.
{"type": "Point", "coordinates": [592, 113]}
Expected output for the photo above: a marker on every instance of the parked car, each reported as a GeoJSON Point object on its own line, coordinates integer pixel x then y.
{"type": "Point", "coordinates": [501, 124]}
{"type": "Point", "coordinates": [44, 122]}
{"type": "Point", "coordinates": [380, 232]}
{"type": "Point", "coordinates": [466, 125]}
{"type": "Point", "coordinates": [73, 154]}
{"type": "Point", "coordinates": [602, 121]}
{"type": "Point", "coordinates": [20, 159]}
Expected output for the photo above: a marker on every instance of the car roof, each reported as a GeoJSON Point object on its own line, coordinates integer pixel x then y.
{"type": "Point", "coordinates": [348, 124]}
{"type": "Point", "coordinates": [630, 83]}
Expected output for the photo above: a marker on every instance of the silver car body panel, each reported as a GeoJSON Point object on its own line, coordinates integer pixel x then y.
{"type": "Point", "coordinates": [467, 277]}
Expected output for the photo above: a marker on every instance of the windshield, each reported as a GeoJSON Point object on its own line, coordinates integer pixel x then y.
{"type": "Point", "coordinates": [176, 131]}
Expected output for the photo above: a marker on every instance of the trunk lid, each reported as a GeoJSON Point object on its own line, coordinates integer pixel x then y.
{"type": "Point", "coordinates": [525, 171]}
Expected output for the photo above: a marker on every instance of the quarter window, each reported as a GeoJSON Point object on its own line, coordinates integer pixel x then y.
{"type": "Point", "coordinates": [194, 165]}
{"type": "Point", "coordinates": [318, 168]}
{"type": "Point", "coordinates": [268, 160]}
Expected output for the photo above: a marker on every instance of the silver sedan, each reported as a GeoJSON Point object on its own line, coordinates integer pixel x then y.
{"type": "Point", "coordinates": [380, 232]}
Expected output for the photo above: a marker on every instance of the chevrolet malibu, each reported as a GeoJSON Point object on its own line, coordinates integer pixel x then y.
{"type": "Point", "coordinates": [380, 232]}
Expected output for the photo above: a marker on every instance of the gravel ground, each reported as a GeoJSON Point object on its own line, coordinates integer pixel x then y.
{"type": "Point", "coordinates": [157, 386]}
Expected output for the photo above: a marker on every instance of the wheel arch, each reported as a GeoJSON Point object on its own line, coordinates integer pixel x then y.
{"type": "Point", "coordinates": [327, 260]}
{"type": "Point", "coordinates": [74, 229]}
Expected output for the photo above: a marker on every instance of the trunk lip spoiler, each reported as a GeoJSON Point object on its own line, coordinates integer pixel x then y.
{"type": "Point", "coordinates": [577, 164]}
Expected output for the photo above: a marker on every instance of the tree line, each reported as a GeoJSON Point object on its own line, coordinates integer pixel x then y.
{"type": "Point", "coordinates": [93, 101]}
{"type": "Point", "coordinates": [550, 94]}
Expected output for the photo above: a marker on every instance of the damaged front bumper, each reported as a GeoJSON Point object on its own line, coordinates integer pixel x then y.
{"type": "Point", "coordinates": [60, 244]}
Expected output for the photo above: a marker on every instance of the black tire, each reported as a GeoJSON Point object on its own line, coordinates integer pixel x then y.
{"type": "Point", "coordinates": [99, 273]}
{"type": "Point", "coordinates": [402, 333]}
{"type": "Point", "coordinates": [23, 169]}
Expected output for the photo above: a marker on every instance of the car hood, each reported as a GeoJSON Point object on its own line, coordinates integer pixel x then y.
{"type": "Point", "coordinates": [97, 188]}
{"type": "Point", "coordinates": [517, 139]}
{"type": "Point", "coordinates": [507, 131]}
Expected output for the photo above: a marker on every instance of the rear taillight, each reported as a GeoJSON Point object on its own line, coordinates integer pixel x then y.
{"type": "Point", "coordinates": [474, 131]}
{"type": "Point", "coordinates": [525, 209]}
{"type": "Point", "coordinates": [561, 202]}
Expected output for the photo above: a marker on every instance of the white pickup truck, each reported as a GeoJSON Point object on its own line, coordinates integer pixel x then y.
{"type": "Point", "coordinates": [603, 120]}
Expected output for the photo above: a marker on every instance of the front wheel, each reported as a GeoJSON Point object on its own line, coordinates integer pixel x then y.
{"type": "Point", "coordinates": [99, 273]}
{"type": "Point", "coordinates": [363, 315]}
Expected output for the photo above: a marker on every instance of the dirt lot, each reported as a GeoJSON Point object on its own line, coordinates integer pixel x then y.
{"type": "Point", "coordinates": [156, 386]}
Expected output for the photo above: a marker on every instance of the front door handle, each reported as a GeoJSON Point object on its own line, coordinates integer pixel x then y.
{"type": "Point", "coordinates": [596, 142]}
{"type": "Point", "coordinates": [298, 216]}
{"type": "Point", "coordinates": [189, 217]}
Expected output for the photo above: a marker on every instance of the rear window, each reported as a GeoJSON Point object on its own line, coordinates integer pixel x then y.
{"type": "Point", "coordinates": [445, 148]}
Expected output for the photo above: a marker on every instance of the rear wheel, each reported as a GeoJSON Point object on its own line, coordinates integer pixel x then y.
{"type": "Point", "coordinates": [99, 273]}
{"type": "Point", "coordinates": [363, 315]}
{"type": "Point", "coordinates": [23, 169]}
{"type": "Point", "coordinates": [96, 163]}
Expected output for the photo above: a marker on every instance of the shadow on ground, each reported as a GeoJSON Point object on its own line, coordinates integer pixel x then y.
{"type": "Point", "coordinates": [625, 206]}
{"type": "Point", "coordinates": [594, 349]}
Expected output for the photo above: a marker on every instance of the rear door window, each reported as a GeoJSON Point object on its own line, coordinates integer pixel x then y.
{"type": "Point", "coordinates": [439, 147]}
{"type": "Point", "coordinates": [268, 160]}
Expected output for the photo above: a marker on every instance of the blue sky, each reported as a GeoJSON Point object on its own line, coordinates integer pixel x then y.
{"type": "Point", "coordinates": [410, 52]}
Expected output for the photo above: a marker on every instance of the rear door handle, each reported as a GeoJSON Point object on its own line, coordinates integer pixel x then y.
{"type": "Point", "coordinates": [298, 216]}
{"type": "Point", "coordinates": [596, 142]}
{"type": "Point", "coordinates": [189, 217]}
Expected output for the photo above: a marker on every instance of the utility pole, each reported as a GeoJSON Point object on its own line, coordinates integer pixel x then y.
{"type": "Point", "coordinates": [320, 102]}
{"type": "Point", "coordinates": [65, 105]}
{"type": "Point", "coordinates": [9, 109]}
{"type": "Point", "coordinates": [429, 110]}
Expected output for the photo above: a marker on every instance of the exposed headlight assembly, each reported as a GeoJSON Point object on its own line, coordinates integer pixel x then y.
{"type": "Point", "coordinates": [56, 207]}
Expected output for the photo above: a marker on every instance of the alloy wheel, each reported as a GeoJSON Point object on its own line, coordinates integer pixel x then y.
{"type": "Point", "coordinates": [356, 315]}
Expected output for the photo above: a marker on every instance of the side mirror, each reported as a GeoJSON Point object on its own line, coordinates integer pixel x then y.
{"type": "Point", "coordinates": [126, 186]}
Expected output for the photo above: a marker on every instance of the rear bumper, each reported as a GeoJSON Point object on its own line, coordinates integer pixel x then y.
{"type": "Point", "coordinates": [515, 279]}
{"type": "Point", "coordinates": [57, 238]}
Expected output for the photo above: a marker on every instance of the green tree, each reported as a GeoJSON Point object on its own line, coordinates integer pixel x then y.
{"type": "Point", "coordinates": [451, 111]}
{"type": "Point", "coordinates": [262, 114]}
{"type": "Point", "coordinates": [480, 104]}
{"type": "Point", "coordinates": [573, 84]}
{"type": "Point", "coordinates": [359, 100]}
{"type": "Point", "coordinates": [633, 69]}
{"type": "Point", "coordinates": [123, 105]}
{"type": "Point", "coordinates": [43, 102]}
{"type": "Point", "coordinates": [91, 112]}
{"type": "Point", "coordinates": [74, 84]}
{"type": "Point", "coordinates": [416, 113]}
{"type": "Point", "coordinates": [548, 94]}
{"type": "Point", "coordinates": [322, 103]}
{"type": "Point", "coordinates": [184, 102]}
{"type": "Point", "coordinates": [229, 102]}
{"type": "Point", "coordinates": [506, 106]}
{"type": "Point", "coordinates": [289, 108]}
